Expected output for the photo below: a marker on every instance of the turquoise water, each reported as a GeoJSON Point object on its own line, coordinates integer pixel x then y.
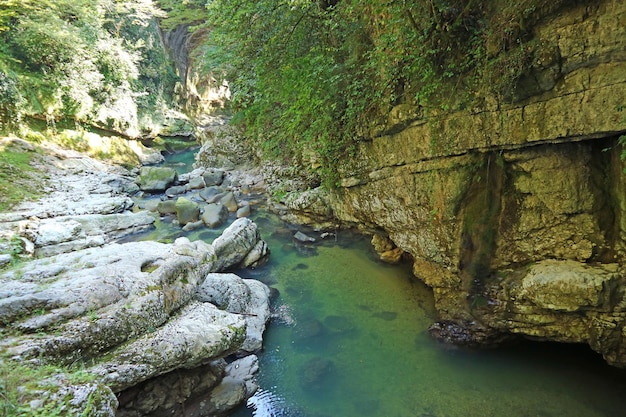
{"type": "Point", "coordinates": [351, 340]}
{"type": "Point", "coordinates": [360, 347]}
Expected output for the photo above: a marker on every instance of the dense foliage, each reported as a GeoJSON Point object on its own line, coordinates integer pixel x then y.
{"type": "Point", "coordinates": [97, 61]}
{"type": "Point", "coordinates": [314, 77]}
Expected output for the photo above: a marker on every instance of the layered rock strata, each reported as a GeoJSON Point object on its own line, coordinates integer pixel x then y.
{"type": "Point", "coordinates": [513, 212]}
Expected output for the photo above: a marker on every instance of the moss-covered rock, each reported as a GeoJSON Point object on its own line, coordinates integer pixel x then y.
{"type": "Point", "coordinates": [154, 179]}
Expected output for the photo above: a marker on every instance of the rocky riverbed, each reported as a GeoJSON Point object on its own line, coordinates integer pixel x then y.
{"type": "Point", "coordinates": [134, 328]}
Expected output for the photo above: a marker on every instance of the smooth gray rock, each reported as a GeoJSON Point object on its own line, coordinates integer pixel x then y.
{"type": "Point", "coordinates": [214, 177]}
{"type": "Point", "coordinates": [243, 211]}
{"type": "Point", "coordinates": [229, 201]}
{"type": "Point", "coordinates": [232, 246]}
{"type": "Point", "coordinates": [247, 297]}
{"type": "Point", "coordinates": [215, 215]}
{"type": "Point", "coordinates": [187, 211]}
{"type": "Point", "coordinates": [176, 190]}
{"type": "Point", "coordinates": [197, 183]}
{"type": "Point", "coordinates": [212, 194]}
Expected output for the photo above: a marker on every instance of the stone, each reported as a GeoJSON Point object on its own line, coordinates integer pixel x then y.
{"type": "Point", "coordinates": [257, 256]}
{"type": "Point", "coordinates": [212, 194]}
{"type": "Point", "coordinates": [243, 211]}
{"type": "Point", "coordinates": [568, 286]}
{"type": "Point", "coordinates": [176, 190]}
{"type": "Point", "coordinates": [213, 177]}
{"type": "Point", "coordinates": [65, 234]}
{"type": "Point", "coordinates": [249, 298]}
{"type": "Point", "coordinates": [392, 256]}
{"type": "Point", "coordinates": [236, 387]}
{"type": "Point", "coordinates": [187, 211]}
{"type": "Point", "coordinates": [199, 332]}
{"type": "Point", "coordinates": [229, 201]}
{"type": "Point", "coordinates": [156, 179]}
{"type": "Point", "coordinates": [5, 258]}
{"type": "Point", "coordinates": [166, 207]}
{"type": "Point", "coordinates": [232, 246]}
{"type": "Point", "coordinates": [214, 215]}
{"type": "Point", "coordinates": [197, 183]}
{"type": "Point", "coordinates": [171, 393]}
{"type": "Point", "coordinates": [302, 238]}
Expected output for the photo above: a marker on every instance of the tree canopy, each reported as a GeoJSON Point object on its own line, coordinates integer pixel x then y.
{"type": "Point", "coordinates": [314, 77]}
{"type": "Point", "coordinates": [97, 61]}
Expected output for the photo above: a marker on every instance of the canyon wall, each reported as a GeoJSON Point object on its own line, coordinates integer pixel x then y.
{"type": "Point", "coordinates": [513, 211]}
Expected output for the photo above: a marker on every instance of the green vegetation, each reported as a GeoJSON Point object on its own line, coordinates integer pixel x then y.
{"type": "Point", "coordinates": [94, 61]}
{"type": "Point", "coordinates": [21, 383]}
{"type": "Point", "coordinates": [310, 79]}
{"type": "Point", "coordinates": [17, 179]}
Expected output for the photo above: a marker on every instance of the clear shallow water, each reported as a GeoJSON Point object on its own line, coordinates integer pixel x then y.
{"type": "Point", "coordinates": [359, 345]}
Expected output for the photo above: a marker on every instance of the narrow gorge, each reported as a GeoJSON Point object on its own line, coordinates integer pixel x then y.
{"type": "Point", "coordinates": [478, 148]}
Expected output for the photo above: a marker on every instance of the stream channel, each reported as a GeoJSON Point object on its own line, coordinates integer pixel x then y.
{"type": "Point", "coordinates": [358, 344]}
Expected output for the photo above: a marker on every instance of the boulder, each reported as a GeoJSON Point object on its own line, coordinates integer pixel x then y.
{"type": "Point", "coordinates": [257, 255]}
{"type": "Point", "coordinates": [167, 207]}
{"type": "Point", "coordinates": [234, 244]}
{"type": "Point", "coordinates": [215, 215]}
{"type": "Point", "coordinates": [229, 201]}
{"type": "Point", "coordinates": [196, 335]}
{"type": "Point", "coordinates": [176, 190]}
{"type": "Point", "coordinates": [213, 177]}
{"type": "Point", "coordinates": [155, 179]}
{"type": "Point", "coordinates": [249, 298]}
{"type": "Point", "coordinates": [243, 211]}
{"type": "Point", "coordinates": [187, 211]}
{"type": "Point", "coordinates": [197, 183]}
{"type": "Point", "coordinates": [212, 194]}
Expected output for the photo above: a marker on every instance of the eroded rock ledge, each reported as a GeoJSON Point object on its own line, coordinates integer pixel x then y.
{"type": "Point", "coordinates": [513, 212]}
{"type": "Point", "coordinates": [153, 326]}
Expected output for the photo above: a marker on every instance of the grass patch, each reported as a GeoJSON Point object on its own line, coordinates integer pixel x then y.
{"type": "Point", "coordinates": [21, 384]}
{"type": "Point", "coordinates": [17, 177]}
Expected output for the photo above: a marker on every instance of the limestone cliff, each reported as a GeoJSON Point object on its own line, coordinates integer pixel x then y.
{"type": "Point", "coordinates": [514, 212]}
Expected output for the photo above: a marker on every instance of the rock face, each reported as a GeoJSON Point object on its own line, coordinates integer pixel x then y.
{"type": "Point", "coordinates": [514, 212]}
{"type": "Point", "coordinates": [138, 316]}
{"type": "Point", "coordinates": [138, 310]}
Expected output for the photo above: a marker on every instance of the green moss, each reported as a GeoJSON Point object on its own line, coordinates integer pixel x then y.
{"type": "Point", "coordinates": [19, 181]}
{"type": "Point", "coordinates": [21, 383]}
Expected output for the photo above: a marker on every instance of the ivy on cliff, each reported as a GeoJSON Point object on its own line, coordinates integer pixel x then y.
{"type": "Point", "coordinates": [312, 78]}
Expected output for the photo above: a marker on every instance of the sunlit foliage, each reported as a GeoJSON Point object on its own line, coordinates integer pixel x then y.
{"type": "Point", "coordinates": [315, 77]}
{"type": "Point", "coordinates": [85, 59]}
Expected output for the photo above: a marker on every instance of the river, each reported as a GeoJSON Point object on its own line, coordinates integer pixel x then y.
{"type": "Point", "coordinates": [352, 341]}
